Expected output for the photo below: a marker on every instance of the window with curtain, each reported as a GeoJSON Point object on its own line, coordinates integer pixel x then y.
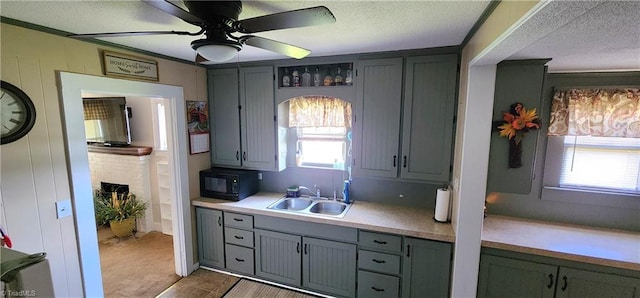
{"type": "Point", "coordinates": [594, 140]}
{"type": "Point", "coordinates": [321, 125]}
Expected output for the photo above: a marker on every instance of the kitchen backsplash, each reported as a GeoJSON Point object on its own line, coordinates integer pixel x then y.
{"type": "Point", "coordinates": [362, 189]}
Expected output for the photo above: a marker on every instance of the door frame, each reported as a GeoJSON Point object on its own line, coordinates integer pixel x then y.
{"type": "Point", "coordinates": [71, 86]}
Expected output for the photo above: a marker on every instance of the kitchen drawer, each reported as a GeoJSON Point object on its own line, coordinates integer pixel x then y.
{"type": "Point", "coordinates": [239, 259]}
{"type": "Point", "coordinates": [374, 285]}
{"type": "Point", "coordinates": [379, 241]}
{"type": "Point", "coordinates": [237, 220]}
{"type": "Point", "coordinates": [238, 237]}
{"type": "Point", "coordinates": [380, 262]}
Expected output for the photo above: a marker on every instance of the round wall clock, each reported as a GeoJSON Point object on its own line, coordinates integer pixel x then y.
{"type": "Point", "coordinates": [17, 113]}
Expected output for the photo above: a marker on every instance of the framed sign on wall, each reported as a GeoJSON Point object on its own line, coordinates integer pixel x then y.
{"type": "Point", "coordinates": [198, 126]}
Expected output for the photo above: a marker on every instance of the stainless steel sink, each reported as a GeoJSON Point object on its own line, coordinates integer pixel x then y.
{"type": "Point", "coordinates": [292, 204]}
{"type": "Point", "coordinates": [307, 205]}
{"type": "Point", "coordinates": [330, 208]}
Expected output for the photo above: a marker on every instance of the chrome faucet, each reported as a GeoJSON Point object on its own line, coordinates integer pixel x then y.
{"type": "Point", "coordinates": [317, 194]}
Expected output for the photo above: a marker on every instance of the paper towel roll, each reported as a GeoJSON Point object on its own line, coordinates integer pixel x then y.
{"type": "Point", "coordinates": [442, 205]}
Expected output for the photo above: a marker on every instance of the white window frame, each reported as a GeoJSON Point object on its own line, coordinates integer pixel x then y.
{"type": "Point", "coordinates": [552, 190]}
{"type": "Point", "coordinates": [331, 137]}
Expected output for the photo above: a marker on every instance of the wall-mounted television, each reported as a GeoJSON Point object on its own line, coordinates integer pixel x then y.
{"type": "Point", "coordinates": [106, 121]}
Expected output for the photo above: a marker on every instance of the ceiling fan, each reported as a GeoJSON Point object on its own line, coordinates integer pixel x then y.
{"type": "Point", "coordinates": [218, 20]}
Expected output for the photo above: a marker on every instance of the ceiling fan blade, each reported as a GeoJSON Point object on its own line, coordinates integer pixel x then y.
{"type": "Point", "coordinates": [312, 16]}
{"type": "Point", "coordinates": [275, 46]}
{"type": "Point", "coordinates": [200, 59]}
{"type": "Point", "coordinates": [134, 33]}
{"type": "Point", "coordinates": [176, 11]}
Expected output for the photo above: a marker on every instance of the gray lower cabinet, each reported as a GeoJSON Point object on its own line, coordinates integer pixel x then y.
{"type": "Point", "coordinates": [278, 256]}
{"type": "Point", "coordinates": [329, 266]}
{"type": "Point", "coordinates": [426, 268]}
{"type": "Point", "coordinates": [210, 237]}
{"type": "Point", "coordinates": [508, 277]}
{"type": "Point", "coordinates": [238, 236]}
{"type": "Point", "coordinates": [317, 264]}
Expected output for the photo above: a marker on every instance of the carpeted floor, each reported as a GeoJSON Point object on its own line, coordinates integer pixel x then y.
{"type": "Point", "coordinates": [140, 266]}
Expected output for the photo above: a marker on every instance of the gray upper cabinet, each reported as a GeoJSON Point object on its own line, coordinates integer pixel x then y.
{"type": "Point", "coordinates": [430, 95]}
{"type": "Point", "coordinates": [223, 104]}
{"type": "Point", "coordinates": [379, 95]}
{"type": "Point", "coordinates": [244, 118]}
{"type": "Point", "coordinates": [210, 237]}
{"type": "Point", "coordinates": [424, 119]}
{"type": "Point", "coordinates": [426, 268]}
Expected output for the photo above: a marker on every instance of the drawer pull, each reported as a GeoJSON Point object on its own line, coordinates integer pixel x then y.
{"type": "Point", "coordinates": [379, 261]}
{"type": "Point", "coordinates": [238, 237]}
{"type": "Point", "coordinates": [239, 260]}
{"type": "Point", "coordinates": [380, 242]}
{"type": "Point", "coordinates": [377, 289]}
{"type": "Point", "coordinates": [238, 219]}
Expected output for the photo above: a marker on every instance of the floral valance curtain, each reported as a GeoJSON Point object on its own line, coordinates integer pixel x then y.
{"type": "Point", "coordinates": [95, 110]}
{"type": "Point", "coordinates": [319, 111]}
{"type": "Point", "coordinates": [596, 112]}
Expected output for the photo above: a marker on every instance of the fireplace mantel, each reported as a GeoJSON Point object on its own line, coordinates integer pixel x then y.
{"type": "Point", "coordinates": [128, 150]}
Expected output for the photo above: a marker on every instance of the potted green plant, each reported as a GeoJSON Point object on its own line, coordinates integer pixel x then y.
{"type": "Point", "coordinates": [120, 210]}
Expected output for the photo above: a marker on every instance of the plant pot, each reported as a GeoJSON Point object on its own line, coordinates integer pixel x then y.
{"type": "Point", "coordinates": [123, 228]}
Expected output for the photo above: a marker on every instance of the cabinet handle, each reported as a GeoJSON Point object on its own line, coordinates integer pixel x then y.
{"type": "Point", "coordinates": [564, 287]}
{"type": "Point", "coordinates": [380, 242]}
{"type": "Point", "coordinates": [220, 220]}
{"type": "Point", "coordinates": [238, 237]}
{"type": "Point", "coordinates": [394, 161]}
{"type": "Point", "coordinates": [244, 155]}
{"type": "Point", "coordinates": [305, 248]}
{"type": "Point", "coordinates": [377, 289]}
{"type": "Point", "coordinates": [378, 261]}
{"type": "Point", "coordinates": [298, 247]}
{"type": "Point", "coordinates": [239, 260]}
{"type": "Point", "coordinates": [408, 250]}
{"type": "Point", "coordinates": [404, 162]}
{"type": "Point", "coordinates": [238, 219]}
{"type": "Point", "coordinates": [237, 155]}
{"type": "Point", "coordinates": [550, 281]}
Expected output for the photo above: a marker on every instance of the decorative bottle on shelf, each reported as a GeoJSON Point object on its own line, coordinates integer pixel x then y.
{"type": "Point", "coordinates": [317, 79]}
{"type": "Point", "coordinates": [295, 77]}
{"type": "Point", "coordinates": [328, 78]}
{"type": "Point", "coordinates": [286, 80]}
{"type": "Point", "coordinates": [349, 79]}
{"type": "Point", "coordinates": [339, 80]}
{"type": "Point", "coordinates": [306, 77]}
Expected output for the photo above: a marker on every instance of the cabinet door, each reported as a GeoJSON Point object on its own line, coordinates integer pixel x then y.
{"type": "Point", "coordinates": [581, 283]}
{"type": "Point", "coordinates": [329, 266]}
{"type": "Point", "coordinates": [504, 277]}
{"type": "Point", "coordinates": [210, 239]}
{"type": "Point", "coordinates": [223, 105]}
{"type": "Point", "coordinates": [258, 118]}
{"type": "Point", "coordinates": [378, 117]}
{"type": "Point", "coordinates": [430, 94]}
{"type": "Point", "coordinates": [426, 268]}
{"type": "Point", "coordinates": [278, 257]}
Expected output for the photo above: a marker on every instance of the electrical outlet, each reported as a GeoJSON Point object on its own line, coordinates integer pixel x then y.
{"type": "Point", "coordinates": [63, 208]}
{"type": "Point", "coordinates": [259, 176]}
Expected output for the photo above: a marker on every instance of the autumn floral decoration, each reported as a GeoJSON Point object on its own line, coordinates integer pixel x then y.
{"type": "Point", "coordinates": [518, 121]}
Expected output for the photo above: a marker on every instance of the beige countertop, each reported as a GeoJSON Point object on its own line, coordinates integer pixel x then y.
{"type": "Point", "coordinates": [407, 221]}
{"type": "Point", "coordinates": [608, 247]}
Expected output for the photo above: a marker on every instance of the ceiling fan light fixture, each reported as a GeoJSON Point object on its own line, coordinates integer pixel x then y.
{"type": "Point", "coordinates": [216, 51]}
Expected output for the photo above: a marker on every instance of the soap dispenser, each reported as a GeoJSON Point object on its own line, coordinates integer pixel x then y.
{"type": "Point", "coordinates": [345, 192]}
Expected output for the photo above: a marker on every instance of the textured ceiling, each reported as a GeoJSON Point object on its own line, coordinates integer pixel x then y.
{"type": "Point", "coordinates": [361, 26]}
{"type": "Point", "coordinates": [577, 35]}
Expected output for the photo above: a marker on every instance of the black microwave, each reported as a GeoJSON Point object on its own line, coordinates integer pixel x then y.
{"type": "Point", "coordinates": [228, 184]}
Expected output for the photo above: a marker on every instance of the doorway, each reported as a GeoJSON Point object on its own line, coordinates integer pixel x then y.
{"type": "Point", "coordinates": [72, 86]}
